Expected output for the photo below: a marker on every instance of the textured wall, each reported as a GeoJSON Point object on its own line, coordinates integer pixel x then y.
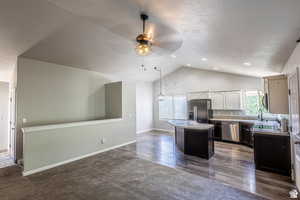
{"type": "Point", "coordinates": [186, 80]}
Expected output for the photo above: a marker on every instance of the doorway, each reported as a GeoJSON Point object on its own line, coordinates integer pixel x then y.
{"type": "Point", "coordinates": [6, 139]}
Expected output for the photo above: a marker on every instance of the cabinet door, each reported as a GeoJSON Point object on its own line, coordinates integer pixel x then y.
{"type": "Point", "coordinates": [198, 95]}
{"type": "Point", "coordinates": [217, 100]}
{"type": "Point", "coordinates": [278, 96]}
{"type": "Point", "coordinates": [217, 130]}
{"type": "Point", "coordinates": [233, 100]}
{"type": "Point", "coordinates": [272, 153]}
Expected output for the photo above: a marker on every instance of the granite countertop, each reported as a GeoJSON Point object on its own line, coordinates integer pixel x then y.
{"type": "Point", "coordinates": [252, 121]}
{"type": "Point", "coordinates": [189, 124]}
{"type": "Point", "coordinates": [270, 132]}
{"type": "Point", "coordinates": [256, 130]}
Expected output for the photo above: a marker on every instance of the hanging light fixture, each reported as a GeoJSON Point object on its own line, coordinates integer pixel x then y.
{"type": "Point", "coordinates": [160, 97]}
{"type": "Point", "coordinates": [143, 47]}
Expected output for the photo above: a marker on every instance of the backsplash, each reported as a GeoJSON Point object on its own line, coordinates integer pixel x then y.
{"type": "Point", "coordinates": [228, 113]}
{"type": "Point", "coordinates": [240, 114]}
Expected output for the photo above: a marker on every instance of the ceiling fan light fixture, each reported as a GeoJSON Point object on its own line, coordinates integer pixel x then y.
{"type": "Point", "coordinates": [143, 47]}
{"type": "Point", "coordinates": [144, 43]}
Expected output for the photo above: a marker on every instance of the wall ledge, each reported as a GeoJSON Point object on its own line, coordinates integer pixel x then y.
{"type": "Point", "coordinates": [67, 125]}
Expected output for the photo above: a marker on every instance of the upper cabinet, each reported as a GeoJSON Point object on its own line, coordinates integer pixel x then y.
{"type": "Point", "coordinates": [233, 100]}
{"type": "Point", "coordinates": [217, 100]}
{"type": "Point", "coordinates": [276, 94]}
{"type": "Point", "coordinates": [198, 95]}
{"type": "Point", "coordinates": [228, 100]}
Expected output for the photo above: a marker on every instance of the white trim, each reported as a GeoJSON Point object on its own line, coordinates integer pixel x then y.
{"type": "Point", "coordinates": [164, 130]}
{"type": "Point", "coordinates": [33, 171]}
{"type": "Point", "coordinates": [67, 125]}
{"type": "Point", "coordinates": [143, 131]}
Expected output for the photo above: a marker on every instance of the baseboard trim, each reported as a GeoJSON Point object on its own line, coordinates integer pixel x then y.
{"type": "Point", "coordinates": [164, 130]}
{"type": "Point", "coordinates": [144, 131]}
{"type": "Point", "coordinates": [30, 172]}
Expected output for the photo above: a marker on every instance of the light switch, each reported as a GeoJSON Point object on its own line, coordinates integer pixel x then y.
{"type": "Point", "coordinates": [24, 120]}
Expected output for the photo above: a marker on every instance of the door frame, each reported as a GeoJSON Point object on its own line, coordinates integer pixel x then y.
{"type": "Point", "coordinates": [12, 122]}
{"type": "Point", "coordinates": [293, 153]}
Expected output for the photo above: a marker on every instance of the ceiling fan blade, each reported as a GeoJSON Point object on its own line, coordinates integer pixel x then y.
{"type": "Point", "coordinates": [167, 44]}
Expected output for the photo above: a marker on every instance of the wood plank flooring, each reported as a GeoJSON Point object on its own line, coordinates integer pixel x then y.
{"type": "Point", "coordinates": [114, 175]}
{"type": "Point", "coordinates": [99, 176]}
{"type": "Point", "coordinates": [232, 164]}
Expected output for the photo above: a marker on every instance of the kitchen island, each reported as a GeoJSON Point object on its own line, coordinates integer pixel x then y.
{"type": "Point", "coordinates": [194, 138]}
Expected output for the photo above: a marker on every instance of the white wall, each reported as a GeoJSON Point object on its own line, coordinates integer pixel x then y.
{"type": "Point", "coordinates": [49, 93]}
{"type": "Point", "coordinates": [4, 108]}
{"type": "Point", "coordinates": [186, 80]}
{"type": "Point", "coordinates": [293, 61]}
{"type": "Point", "coordinates": [144, 106]}
{"type": "Point", "coordinates": [50, 147]}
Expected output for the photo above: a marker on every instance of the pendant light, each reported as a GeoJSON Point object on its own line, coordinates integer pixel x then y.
{"type": "Point", "coordinates": [160, 97]}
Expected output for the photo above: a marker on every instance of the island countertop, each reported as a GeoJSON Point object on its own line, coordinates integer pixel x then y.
{"type": "Point", "coordinates": [189, 124]}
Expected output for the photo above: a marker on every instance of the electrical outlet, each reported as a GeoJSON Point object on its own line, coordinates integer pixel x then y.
{"type": "Point", "coordinates": [103, 140]}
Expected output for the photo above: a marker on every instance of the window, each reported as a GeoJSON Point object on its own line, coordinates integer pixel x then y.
{"type": "Point", "coordinates": [180, 107]}
{"type": "Point", "coordinates": [253, 103]}
{"type": "Point", "coordinates": [173, 107]}
{"type": "Point", "coordinates": [166, 108]}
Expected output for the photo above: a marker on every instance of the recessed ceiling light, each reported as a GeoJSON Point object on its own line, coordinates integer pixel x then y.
{"type": "Point", "coordinates": [247, 63]}
{"type": "Point", "coordinates": [173, 56]}
{"type": "Point", "coordinates": [204, 59]}
{"type": "Point", "coordinates": [215, 68]}
{"type": "Point", "coordinates": [188, 65]}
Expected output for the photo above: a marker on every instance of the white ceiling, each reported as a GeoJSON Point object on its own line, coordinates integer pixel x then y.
{"type": "Point", "coordinates": [98, 34]}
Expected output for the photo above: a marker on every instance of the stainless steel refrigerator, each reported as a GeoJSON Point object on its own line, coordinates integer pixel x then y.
{"type": "Point", "coordinates": [199, 110]}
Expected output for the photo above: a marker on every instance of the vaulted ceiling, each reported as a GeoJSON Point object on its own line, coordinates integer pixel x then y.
{"type": "Point", "coordinates": [99, 34]}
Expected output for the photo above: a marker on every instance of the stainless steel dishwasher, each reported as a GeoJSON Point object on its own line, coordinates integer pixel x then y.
{"type": "Point", "coordinates": [231, 131]}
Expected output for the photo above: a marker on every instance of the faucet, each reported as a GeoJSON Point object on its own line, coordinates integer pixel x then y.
{"type": "Point", "coordinates": [260, 115]}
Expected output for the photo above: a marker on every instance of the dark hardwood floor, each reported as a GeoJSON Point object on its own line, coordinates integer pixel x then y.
{"type": "Point", "coordinates": [232, 164]}
{"type": "Point", "coordinates": [125, 173]}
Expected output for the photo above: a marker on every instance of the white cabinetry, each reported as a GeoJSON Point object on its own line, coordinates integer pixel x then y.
{"type": "Point", "coordinates": [233, 100]}
{"type": "Point", "coordinates": [276, 94]}
{"type": "Point", "coordinates": [217, 100]}
{"type": "Point", "coordinates": [226, 100]}
{"type": "Point", "coordinates": [198, 95]}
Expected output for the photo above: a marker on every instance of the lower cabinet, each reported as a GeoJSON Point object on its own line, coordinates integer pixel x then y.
{"type": "Point", "coordinates": [217, 130]}
{"type": "Point", "coordinates": [195, 142]}
{"type": "Point", "coordinates": [246, 135]}
{"type": "Point", "coordinates": [272, 153]}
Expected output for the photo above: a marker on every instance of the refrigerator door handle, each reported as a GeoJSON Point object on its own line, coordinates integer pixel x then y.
{"type": "Point", "coordinates": [195, 113]}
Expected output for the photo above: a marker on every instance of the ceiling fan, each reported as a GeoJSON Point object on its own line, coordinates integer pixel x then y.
{"type": "Point", "coordinates": [144, 40]}
{"type": "Point", "coordinates": [157, 38]}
